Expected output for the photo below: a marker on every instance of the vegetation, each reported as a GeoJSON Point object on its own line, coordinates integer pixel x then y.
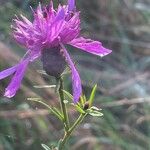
{"type": "Point", "coordinates": [122, 79]}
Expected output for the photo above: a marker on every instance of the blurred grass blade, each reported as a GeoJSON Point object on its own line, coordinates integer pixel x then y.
{"type": "Point", "coordinates": [92, 96]}
{"type": "Point", "coordinates": [44, 86]}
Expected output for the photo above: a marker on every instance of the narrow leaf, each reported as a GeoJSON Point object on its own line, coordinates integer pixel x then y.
{"type": "Point", "coordinates": [92, 96]}
{"type": "Point", "coordinates": [68, 95]}
{"type": "Point", "coordinates": [95, 113]}
{"type": "Point", "coordinates": [95, 108]}
{"type": "Point", "coordinates": [58, 113]}
{"type": "Point", "coordinates": [79, 109]}
{"type": "Point", "coordinates": [82, 101]}
{"type": "Point", "coordinates": [53, 110]}
{"type": "Point", "coordinates": [45, 147]}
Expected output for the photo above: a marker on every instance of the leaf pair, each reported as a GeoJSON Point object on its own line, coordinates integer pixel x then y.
{"type": "Point", "coordinates": [84, 106]}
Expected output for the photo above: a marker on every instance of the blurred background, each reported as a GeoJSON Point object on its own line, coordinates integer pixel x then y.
{"type": "Point", "coordinates": [123, 79]}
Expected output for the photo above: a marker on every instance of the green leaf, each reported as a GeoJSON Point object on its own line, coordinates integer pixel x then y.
{"type": "Point", "coordinates": [84, 98]}
{"type": "Point", "coordinates": [95, 108]}
{"type": "Point", "coordinates": [45, 147]}
{"type": "Point", "coordinates": [38, 100]}
{"type": "Point", "coordinates": [82, 101]}
{"type": "Point", "coordinates": [95, 113]}
{"type": "Point", "coordinates": [79, 109]}
{"type": "Point", "coordinates": [92, 96]}
{"type": "Point", "coordinates": [57, 113]}
{"type": "Point", "coordinates": [54, 110]}
{"type": "Point", "coordinates": [68, 94]}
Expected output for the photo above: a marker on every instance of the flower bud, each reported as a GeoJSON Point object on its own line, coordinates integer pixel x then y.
{"type": "Point", "coordinates": [53, 61]}
{"type": "Point", "coordinates": [86, 106]}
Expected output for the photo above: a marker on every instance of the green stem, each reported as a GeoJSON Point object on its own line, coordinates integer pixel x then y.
{"type": "Point", "coordinates": [63, 105]}
{"type": "Point", "coordinates": [67, 134]}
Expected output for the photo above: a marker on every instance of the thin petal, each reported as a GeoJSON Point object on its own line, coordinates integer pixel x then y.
{"type": "Point", "coordinates": [71, 29]}
{"type": "Point", "coordinates": [17, 78]}
{"type": "Point", "coordinates": [26, 20]}
{"type": "Point", "coordinates": [60, 15]}
{"type": "Point", "coordinates": [51, 10]}
{"type": "Point", "coordinates": [57, 25]}
{"type": "Point", "coordinates": [7, 72]}
{"type": "Point", "coordinates": [35, 53]}
{"type": "Point", "coordinates": [51, 5]}
{"type": "Point", "coordinates": [56, 29]}
{"type": "Point", "coordinates": [71, 5]}
{"type": "Point", "coordinates": [90, 46]}
{"type": "Point", "coordinates": [77, 89]}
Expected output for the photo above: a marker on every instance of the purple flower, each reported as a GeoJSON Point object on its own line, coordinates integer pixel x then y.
{"type": "Point", "coordinates": [50, 30]}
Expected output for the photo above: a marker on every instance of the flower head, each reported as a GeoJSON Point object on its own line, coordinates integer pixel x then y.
{"type": "Point", "coordinates": [46, 36]}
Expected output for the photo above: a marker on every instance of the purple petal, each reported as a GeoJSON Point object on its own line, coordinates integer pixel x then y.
{"type": "Point", "coordinates": [51, 5]}
{"type": "Point", "coordinates": [71, 5]}
{"type": "Point", "coordinates": [57, 25]}
{"type": "Point", "coordinates": [8, 72]}
{"type": "Point", "coordinates": [26, 21]}
{"type": "Point", "coordinates": [71, 29]}
{"type": "Point", "coordinates": [90, 46]}
{"type": "Point", "coordinates": [60, 15]}
{"type": "Point", "coordinates": [77, 89]}
{"type": "Point", "coordinates": [35, 53]}
{"type": "Point", "coordinates": [50, 10]}
{"type": "Point", "coordinates": [16, 80]}
{"type": "Point", "coordinates": [55, 30]}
